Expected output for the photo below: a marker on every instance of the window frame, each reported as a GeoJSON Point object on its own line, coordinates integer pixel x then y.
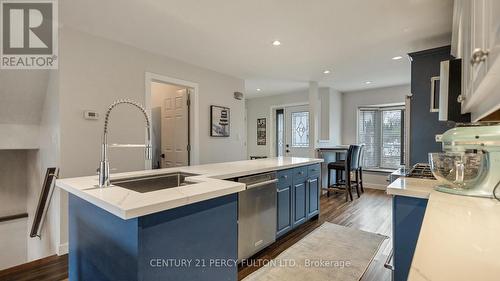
{"type": "Point", "coordinates": [379, 128]}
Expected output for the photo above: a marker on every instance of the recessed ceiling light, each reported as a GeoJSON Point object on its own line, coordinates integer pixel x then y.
{"type": "Point", "coordinates": [368, 82]}
{"type": "Point", "coordinates": [397, 58]}
{"type": "Point", "coordinates": [276, 43]}
{"type": "Point", "coordinates": [326, 72]}
{"type": "Point", "coordinates": [259, 89]}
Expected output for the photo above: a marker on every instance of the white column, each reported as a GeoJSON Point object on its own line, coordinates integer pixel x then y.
{"type": "Point", "coordinates": [314, 114]}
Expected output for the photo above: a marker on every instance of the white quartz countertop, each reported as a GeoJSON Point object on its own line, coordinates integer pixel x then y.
{"type": "Point", "coordinates": [209, 183]}
{"type": "Point", "coordinates": [459, 238]}
{"type": "Point", "coordinates": [412, 187]}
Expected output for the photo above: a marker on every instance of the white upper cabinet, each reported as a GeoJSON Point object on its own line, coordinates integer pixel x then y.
{"type": "Point", "coordinates": [493, 32]}
{"type": "Point", "coordinates": [478, 46]}
{"type": "Point", "coordinates": [476, 40]}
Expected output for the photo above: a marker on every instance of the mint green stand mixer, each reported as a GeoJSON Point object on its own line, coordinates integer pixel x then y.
{"type": "Point", "coordinates": [470, 163]}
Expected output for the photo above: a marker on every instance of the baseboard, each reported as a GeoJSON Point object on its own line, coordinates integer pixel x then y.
{"type": "Point", "coordinates": [375, 186]}
{"type": "Point", "coordinates": [62, 249]}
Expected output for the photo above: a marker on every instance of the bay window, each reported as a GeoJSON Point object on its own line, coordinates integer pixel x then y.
{"type": "Point", "coordinates": [381, 130]}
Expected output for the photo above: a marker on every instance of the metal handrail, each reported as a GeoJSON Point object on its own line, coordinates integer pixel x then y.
{"type": "Point", "coordinates": [13, 217]}
{"type": "Point", "coordinates": [44, 201]}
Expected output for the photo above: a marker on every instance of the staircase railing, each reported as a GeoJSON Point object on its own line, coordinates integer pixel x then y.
{"type": "Point", "coordinates": [44, 201]}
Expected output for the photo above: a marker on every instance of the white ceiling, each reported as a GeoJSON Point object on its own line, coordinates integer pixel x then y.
{"type": "Point", "coordinates": [355, 39]}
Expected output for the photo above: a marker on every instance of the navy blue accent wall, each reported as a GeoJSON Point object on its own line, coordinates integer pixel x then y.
{"type": "Point", "coordinates": [193, 242]}
{"type": "Point", "coordinates": [425, 124]}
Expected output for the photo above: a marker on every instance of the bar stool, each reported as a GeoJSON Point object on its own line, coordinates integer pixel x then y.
{"type": "Point", "coordinates": [359, 172]}
{"type": "Point", "coordinates": [351, 164]}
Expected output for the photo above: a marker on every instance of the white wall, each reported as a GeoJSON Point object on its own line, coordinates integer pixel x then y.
{"type": "Point", "coordinates": [94, 72]}
{"type": "Point", "coordinates": [38, 161]}
{"type": "Point", "coordinates": [331, 117]}
{"type": "Point", "coordinates": [21, 99]}
{"type": "Point", "coordinates": [351, 101]}
{"type": "Point", "coordinates": [13, 241]}
{"type": "Point", "coordinates": [19, 136]}
{"type": "Point", "coordinates": [12, 182]}
{"type": "Point", "coordinates": [329, 123]}
{"type": "Point", "coordinates": [29, 123]}
{"type": "Point", "coordinates": [21, 96]}
{"type": "Point", "coordinates": [13, 201]}
{"type": "Point", "coordinates": [261, 108]}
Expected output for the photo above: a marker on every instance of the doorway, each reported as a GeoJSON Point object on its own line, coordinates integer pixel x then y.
{"type": "Point", "coordinates": [292, 131]}
{"type": "Point", "coordinates": [170, 111]}
{"type": "Point", "coordinates": [192, 127]}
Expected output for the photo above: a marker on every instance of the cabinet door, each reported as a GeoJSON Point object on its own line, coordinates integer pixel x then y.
{"type": "Point", "coordinates": [313, 197]}
{"type": "Point", "coordinates": [479, 39]}
{"type": "Point", "coordinates": [493, 30]}
{"type": "Point", "coordinates": [284, 207]}
{"type": "Point", "coordinates": [407, 217]}
{"type": "Point", "coordinates": [465, 45]}
{"type": "Point", "coordinates": [299, 206]}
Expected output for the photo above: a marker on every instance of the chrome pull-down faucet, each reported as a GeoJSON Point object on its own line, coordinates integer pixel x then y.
{"type": "Point", "coordinates": [104, 164]}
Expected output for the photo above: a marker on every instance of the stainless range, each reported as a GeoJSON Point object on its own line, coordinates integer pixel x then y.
{"type": "Point", "coordinates": [419, 170]}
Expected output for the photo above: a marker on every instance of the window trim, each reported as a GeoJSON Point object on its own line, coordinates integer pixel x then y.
{"type": "Point", "coordinates": [379, 109]}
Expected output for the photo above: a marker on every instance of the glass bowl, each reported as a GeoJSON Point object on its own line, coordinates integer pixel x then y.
{"type": "Point", "coordinates": [459, 170]}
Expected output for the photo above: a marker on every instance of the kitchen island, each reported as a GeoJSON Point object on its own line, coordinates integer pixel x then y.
{"type": "Point", "coordinates": [188, 232]}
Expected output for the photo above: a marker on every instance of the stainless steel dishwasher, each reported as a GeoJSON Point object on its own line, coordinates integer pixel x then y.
{"type": "Point", "coordinates": [256, 214]}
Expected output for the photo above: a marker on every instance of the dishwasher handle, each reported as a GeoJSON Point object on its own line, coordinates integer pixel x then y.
{"type": "Point", "coordinates": [388, 263]}
{"type": "Point", "coordinates": [262, 183]}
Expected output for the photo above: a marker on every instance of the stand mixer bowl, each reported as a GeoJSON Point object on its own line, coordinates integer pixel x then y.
{"type": "Point", "coordinates": [459, 170]}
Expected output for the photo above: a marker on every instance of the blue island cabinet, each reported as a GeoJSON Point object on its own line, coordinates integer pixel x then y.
{"type": "Point", "coordinates": [192, 242]}
{"type": "Point", "coordinates": [407, 217]}
{"type": "Point", "coordinates": [298, 197]}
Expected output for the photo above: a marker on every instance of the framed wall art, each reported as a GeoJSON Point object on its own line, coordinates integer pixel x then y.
{"type": "Point", "coordinates": [261, 131]}
{"type": "Point", "coordinates": [220, 121]}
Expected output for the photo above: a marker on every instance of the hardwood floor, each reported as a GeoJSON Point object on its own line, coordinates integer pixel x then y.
{"type": "Point", "coordinates": [53, 268]}
{"type": "Point", "coordinates": [371, 212]}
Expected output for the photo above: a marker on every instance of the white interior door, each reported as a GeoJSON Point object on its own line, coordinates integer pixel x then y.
{"type": "Point", "coordinates": [297, 138]}
{"type": "Point", "coordinates": [175, 129]}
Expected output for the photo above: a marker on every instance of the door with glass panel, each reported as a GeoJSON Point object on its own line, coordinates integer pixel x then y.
{"type": "Point", "coordinates": [296, 133]}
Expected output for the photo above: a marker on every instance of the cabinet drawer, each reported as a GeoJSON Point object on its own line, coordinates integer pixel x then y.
{"type": "Point", "coordinates": [313, 170]}
{"type": "Point", "coordinates": [299, 173]}
{"type": "Point", "coordinates": [284, 178]}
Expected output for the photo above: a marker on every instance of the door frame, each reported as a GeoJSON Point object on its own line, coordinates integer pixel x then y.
{"type": "Point", "coordinates": [272, 133]}
{"type": "Point", "coordinates": [194, 126]}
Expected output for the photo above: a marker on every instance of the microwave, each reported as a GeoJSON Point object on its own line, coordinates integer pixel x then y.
{"type": "Point", "coordinates": [450, 88]}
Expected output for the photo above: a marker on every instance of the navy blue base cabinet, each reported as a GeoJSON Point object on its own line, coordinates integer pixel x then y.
{"type": "Point", "coordinates": [407, 216]}
{"type": "Point", "coordinates": [298, 197]}
{"type": "Point", "coordinates": [177, 244]}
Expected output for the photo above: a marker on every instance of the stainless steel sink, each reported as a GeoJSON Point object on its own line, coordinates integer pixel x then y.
{"type": "Point", "coordinates": [152, 183]}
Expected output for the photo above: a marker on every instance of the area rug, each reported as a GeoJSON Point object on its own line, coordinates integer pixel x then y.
{"type": "Point", "coordinates": [330, 252]}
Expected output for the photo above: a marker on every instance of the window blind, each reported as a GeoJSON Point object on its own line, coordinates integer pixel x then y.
{"type": "Point", "coordinates": [391, 139]}
{"type": "Point", "coordinates": [368, 135]}
{"type": "Point", "coordinates": [380, 130]}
